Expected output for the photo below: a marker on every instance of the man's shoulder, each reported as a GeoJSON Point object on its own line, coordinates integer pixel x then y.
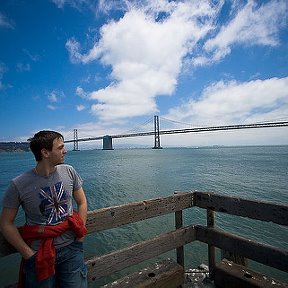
{"type": "Point", "coordinates": [23, 176]}
{"type": "Point", "coordinates": [23, 180]}
{"type": "Point", "coordinates": [65, 167]}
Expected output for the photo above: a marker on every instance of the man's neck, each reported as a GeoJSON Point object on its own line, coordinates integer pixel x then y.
{"type": "Point", "coordinates": [44, 170]}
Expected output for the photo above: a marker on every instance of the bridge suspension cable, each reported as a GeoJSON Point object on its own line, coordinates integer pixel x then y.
{"type": "Point", "coordinates": [176, 122]}
{"type": "Point", "coordinates": [139, 126]}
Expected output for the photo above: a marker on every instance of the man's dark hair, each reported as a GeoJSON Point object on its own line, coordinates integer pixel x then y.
{"type": "Point", "coordinates": [43, 140]}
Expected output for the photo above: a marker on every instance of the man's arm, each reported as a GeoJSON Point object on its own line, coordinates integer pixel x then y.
{"type": "Point", "coordinates": [81, 202]}
{"type": "Point", "coordinates": [11, 233]}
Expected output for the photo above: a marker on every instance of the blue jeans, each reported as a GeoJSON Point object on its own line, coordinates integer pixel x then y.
{"type": "Point", "coordinates": [70, 269]}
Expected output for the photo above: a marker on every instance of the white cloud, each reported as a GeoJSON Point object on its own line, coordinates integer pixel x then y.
{"type": "Point", "coordinates": [234, 103]}
{"type": "Point", "coordinates": [33, 57]}
{"type": "Point", "coordinates": [77, 4]}
{"type": "Point", "coordinates": [81, 93]}
{"type": "Point", "coordinates": [23, 67]}
{"type": "Point", "coordinates": [3, 70]}
{"type": "Point", "coordinates": [105, 6]}
{"type": "Point", "coordinates": [51, 107]}
{"type": "Point", "coordinates": [5, 22]}
{"type": "Point", "coordinates": [251, 25]}
{"type": "Point", "coordinates": [59, 3]}
{"type": "Point", "coordinates": [80, 107]}
{"type": "Point", "coordinates": [73, 47]}
{"type": "Point", "coordinates": [146, 57]}
{"type": "Point", "coordinates": [52, 97]}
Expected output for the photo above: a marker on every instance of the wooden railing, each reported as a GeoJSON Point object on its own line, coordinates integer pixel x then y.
{"type": "Point", "coordinates": [111, 217]}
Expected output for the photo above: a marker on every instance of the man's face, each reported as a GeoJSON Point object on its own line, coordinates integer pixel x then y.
{"type": "Point", "coordinates": [58, 151]}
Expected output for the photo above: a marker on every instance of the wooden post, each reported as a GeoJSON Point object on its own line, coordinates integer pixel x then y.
{"type": "Point", "coordinates": [178, 225]}
{"type": "Point", "coordinates": [211, 249]}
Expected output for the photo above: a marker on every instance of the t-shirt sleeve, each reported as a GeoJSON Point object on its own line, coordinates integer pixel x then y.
{"type": "Point", "coordinates": [77, 180]}
{"type": "Point", "coordinates": [11, 197]}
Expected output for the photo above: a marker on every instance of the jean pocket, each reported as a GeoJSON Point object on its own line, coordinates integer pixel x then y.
{"type": "Point", "coordinates": [84, 271]}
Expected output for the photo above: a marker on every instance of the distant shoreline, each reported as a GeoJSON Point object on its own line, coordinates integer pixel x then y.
{"type": "Point", "coordinates": [24, 147]}
{"type": "Point", "coordinates": [14, 147]}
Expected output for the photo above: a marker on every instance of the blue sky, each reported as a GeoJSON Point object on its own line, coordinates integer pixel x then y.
{"type": "Point", "coordinates": [104, 67]}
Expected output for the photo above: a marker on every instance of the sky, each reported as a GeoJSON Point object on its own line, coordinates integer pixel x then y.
{"type": "Point", "coordinates": [107, 67]}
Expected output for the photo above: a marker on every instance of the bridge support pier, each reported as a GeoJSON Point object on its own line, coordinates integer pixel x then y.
{"type": "Point", "coordinates": [107, 143]}
{"type": "Point", "coordinates": [156, 133]}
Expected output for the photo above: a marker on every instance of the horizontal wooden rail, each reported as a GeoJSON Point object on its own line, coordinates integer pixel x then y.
{"type": "Point", "coordinates": [107, 218]}
{"type": "Point", "coordinates": [262, 253]}
{"type": "Point", "coordinates": [259, 210]}
{"type": "Point", "coordinates": [137, 253]}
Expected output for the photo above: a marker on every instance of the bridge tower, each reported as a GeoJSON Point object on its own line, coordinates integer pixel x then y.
{"type": "Point", "coordinates": [76, 147]}
{"type": "Point", "coordinates": [156, 133]}
{"type": "Point", "coordinates": [107, 143]}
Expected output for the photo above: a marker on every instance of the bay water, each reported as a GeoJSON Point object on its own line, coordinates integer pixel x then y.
{"type": "Point", "coordinates": [127, 175]}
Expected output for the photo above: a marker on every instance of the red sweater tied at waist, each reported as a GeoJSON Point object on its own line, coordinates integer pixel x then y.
{"type": "Point", "coordinates": [45, 256]}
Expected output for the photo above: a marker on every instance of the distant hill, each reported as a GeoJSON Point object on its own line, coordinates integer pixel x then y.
{"type": "Point", "coordinates": [14, 147]}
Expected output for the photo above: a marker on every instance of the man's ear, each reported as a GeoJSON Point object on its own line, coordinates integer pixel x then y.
{"type": "Point", "coordinates": [45, 153]}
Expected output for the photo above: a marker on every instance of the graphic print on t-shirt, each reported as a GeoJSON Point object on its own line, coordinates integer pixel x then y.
{"type": "Point", "coordinates": [54, 203]}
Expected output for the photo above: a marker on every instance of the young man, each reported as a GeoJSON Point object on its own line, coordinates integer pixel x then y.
{"type": "Point", "coordinates": [51, 240]}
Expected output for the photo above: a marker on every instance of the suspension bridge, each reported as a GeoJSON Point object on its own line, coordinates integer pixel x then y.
{"type": "Point", "coordinates": [108, 139]}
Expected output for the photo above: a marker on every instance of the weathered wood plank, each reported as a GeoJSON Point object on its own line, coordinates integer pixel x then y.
{"type": "Point", "coordinates": [228, 274]}
{"type": "Point", "coordinates": [111, 217]}
{"type": "Point", "coordinates": [166, 274]}
{"type": "Point", "coordinates": [262, 253]}
{"type": "Point", "coordinates": [260, 210]}
{"type": "Point", "coordinates": [137, 253]}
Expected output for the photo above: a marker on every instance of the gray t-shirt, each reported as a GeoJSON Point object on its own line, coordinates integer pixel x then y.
{"type": "Point", "coordinates": [45, 200]}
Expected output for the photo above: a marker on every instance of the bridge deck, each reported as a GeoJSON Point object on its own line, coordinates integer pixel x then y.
{"type": "Point", "coordinates": [187, 130]}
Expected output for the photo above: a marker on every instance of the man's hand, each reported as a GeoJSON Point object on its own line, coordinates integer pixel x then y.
{"type": "Point", "coordinates": [11, 233]}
